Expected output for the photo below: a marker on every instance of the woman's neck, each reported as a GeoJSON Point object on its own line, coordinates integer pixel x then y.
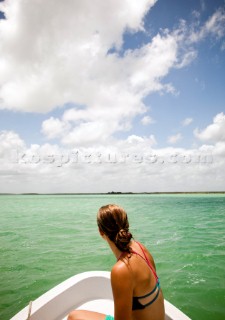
{"type": "Point", "coordinates": [115, 250]}
{"type": "Point", "coordinates": [117, 253]}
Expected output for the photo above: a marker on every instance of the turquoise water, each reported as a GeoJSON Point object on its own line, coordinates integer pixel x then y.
{"type": "Point", "coordinates": [47, 239]}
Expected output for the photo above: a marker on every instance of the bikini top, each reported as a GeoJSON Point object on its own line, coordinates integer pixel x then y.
{"type": "Point", "coordinates": [136, 305]}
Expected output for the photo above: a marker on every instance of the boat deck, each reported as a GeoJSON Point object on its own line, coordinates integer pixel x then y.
{"type": "Point", "coordinates": [90, 291]}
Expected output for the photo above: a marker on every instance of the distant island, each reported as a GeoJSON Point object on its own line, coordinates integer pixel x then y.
{"type": "Point", "coordinates": [115, 193]}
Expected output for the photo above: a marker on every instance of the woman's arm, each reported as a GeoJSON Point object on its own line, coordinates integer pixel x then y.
{"type": "Point", "coordinates": [122, 287]}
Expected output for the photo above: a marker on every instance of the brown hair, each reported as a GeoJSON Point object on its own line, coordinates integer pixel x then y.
{"type": "Point", "coordinates": [113, 222]}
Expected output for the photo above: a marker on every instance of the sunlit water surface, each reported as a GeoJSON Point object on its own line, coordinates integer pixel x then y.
{"type": "Point", "coordinates": [46, 239]}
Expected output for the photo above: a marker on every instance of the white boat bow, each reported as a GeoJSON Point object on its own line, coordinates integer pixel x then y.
{"type": "Point", "coordinates": [87, 290]}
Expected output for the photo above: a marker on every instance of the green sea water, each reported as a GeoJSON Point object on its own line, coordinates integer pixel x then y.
{"type": "Point", "coordinates": [45, 239]}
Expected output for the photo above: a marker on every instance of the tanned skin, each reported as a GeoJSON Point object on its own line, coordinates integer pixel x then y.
{"type": "Point", "coordinates": [130, 277]}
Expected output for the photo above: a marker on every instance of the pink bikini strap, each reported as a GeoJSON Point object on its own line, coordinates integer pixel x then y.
{"type": "Point", "coordinates": [147, 260]}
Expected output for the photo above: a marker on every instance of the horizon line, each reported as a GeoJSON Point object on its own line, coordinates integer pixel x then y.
{"type": "Point", "coordinates": [112, 193]}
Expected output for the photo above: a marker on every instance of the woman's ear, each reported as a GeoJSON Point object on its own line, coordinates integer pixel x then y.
{"type": "Point", "coordinates": [101, 232]}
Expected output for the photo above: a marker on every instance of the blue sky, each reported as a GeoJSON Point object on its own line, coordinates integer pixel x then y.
{"type": "Point", "coordinates": [119, 77]}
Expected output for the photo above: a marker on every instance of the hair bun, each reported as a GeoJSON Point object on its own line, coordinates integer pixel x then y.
{"type": "Point", "coordinates": [122, 233]}
{"type": "Point", "coordinates": [122, 239]}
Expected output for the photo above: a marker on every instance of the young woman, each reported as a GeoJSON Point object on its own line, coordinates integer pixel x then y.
{"type": "Point", "coordinates": [135, 284]}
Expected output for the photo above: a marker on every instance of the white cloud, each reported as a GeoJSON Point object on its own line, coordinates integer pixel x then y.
{"type": "Point", "coordinates": [64, 57]}
{"type": "Point", "coordinates": [88, 133]}
{"type": "Point", "coordinates": [141, 141]}
{"type": "Point", "coordinates": [133, 164]}
{"type": "Point", "coordinates": [214, 26]}
{"type": "Point", "coordinates": [54, 128]}
{"type": "Point", "coordinates": [147, 65]}
{"type": "Point", "coordinates": [215, 132]}
{"type": "Point", "coordinates": [121, 92]}
{"type": "Point", "coordinates": [186, 122]}
{"type": "Point", "coordinates": [10, 141]}
{"type": "Point", "coordinates": [78, 69]}
{"type": "Point", "coordinates": [174, 138]}
{"type": "Point", "coordinates": [196, 14]}
{"type": "Point", "coordinates": [187, 59]}
{"type": "Point", "coordinates": [147, 120]}
{"type": "Point", "coordinates": [76, 115]}
{"type": "Point", "coordinates": [67, 57]}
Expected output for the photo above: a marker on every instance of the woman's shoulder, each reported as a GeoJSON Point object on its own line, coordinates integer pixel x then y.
{"type": "Point", "coordinates": [121, 269]}
{"type": "Point", "coordinates": [121, 275]}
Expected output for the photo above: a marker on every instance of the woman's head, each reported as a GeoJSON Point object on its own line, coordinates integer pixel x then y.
{"type": "Point", "coordinates": [113, 222]}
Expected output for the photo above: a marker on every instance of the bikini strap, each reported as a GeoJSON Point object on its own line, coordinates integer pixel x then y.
{"type": "Point", "coordinates": [147, 260]}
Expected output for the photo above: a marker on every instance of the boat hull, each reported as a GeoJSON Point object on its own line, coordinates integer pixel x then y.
{"type": "Point", "coordinates": [87, 290]}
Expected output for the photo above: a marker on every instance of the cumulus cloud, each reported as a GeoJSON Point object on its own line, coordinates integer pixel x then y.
{"type": "Point", "coordinates": [174, 138]}
{"type": "Point", "coordinates": [54, 64]}
{"type": "Point", "coordinates": [147, 120]}
{"type": "Point", "coordinates": [141, 141]}
{"type": "Point", "coordinates": [120, 92]}
{"type": "Point", "coordinates": [54, 128]}
{"type": "Point", "coordinates": [75, 58]}
{"type": "Point", "coordinates": [72, 63]}
{"type": "Point", "coordinates": [133, 164]}
{"type": "Point", "coordinates": [214, 132]}
{"type": "Point", "coordinates": [186, 122]}
{"type": "Point", "coordinates": [10, 140]}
